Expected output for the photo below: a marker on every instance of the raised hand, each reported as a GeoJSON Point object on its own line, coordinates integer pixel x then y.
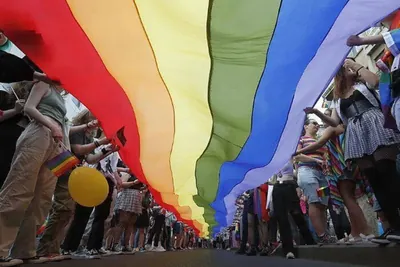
{"type": "Point", "coordinates": [310, 110]}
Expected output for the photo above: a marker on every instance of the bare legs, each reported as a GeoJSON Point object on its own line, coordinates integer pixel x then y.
{"type": "Point", "coordinates": [356, 216]}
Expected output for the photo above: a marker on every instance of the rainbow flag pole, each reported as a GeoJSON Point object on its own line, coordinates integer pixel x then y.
{"type": "Point", "coordinates": [62, 163]}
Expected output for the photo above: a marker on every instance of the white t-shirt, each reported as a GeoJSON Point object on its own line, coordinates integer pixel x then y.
{"type": "Point", "coordinates": [169, 218]}
{"type": "Point", "coordinates": [225, 236]}
{"type": "Point", "coordinates": [108, 165]}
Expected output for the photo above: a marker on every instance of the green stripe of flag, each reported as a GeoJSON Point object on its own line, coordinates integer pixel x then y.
{"type": "Point", "coordinates": [239, 36]}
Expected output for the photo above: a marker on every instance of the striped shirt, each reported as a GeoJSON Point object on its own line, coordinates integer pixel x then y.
{"type": "Point", "coordinates": [319, 154]}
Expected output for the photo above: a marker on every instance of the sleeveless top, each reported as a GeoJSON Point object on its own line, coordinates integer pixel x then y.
{"type": "Point", "coordinates": [368, 94]}
{"type": "Point", "coordinates": [53, 106]}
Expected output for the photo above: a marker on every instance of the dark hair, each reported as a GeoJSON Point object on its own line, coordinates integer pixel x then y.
{"type": "Point", "coordinates": [308, 121]}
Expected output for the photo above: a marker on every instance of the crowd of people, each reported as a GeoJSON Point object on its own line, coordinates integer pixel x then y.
{"type": "Point", "coordinates": [316, 198]}
{"type": "Point", "coordinates": [321, 194]}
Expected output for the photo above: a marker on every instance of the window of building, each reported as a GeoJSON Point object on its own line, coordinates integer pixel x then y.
{"type": "Point", "coordinates": [76, 102]}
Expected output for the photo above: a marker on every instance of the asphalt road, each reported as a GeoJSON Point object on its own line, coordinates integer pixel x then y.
{"type": "Point", "coordinates": [194, 258]}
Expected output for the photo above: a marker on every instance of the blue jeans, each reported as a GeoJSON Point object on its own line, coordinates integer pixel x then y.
{"type": "Point", "coordinates": [136, 239]}
{"type": "Point", "coordinates": [310, 180]}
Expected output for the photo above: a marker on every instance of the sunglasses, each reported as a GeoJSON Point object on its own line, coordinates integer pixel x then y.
{"type": "Point", "coordinates": [314, 123]}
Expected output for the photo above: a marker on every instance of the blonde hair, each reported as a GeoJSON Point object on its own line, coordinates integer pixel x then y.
{"type": "Point", "coordinates": [22, 89]}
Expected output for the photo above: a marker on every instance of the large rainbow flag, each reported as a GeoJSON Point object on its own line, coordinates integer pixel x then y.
{"type": "Point", "coordinates": [211, 93]}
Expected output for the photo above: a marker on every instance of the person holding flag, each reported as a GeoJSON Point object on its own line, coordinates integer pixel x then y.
{"type": "Point", "coordinates": [389, 64]}
{"type": "Point", "coordinates": [26, 195]}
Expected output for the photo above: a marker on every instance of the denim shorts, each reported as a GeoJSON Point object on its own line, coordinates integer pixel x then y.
{"type": "Point", "coordinates": [310, 180]}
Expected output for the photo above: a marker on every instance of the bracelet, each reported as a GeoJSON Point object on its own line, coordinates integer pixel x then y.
{"type": "Point", "coordinates": [96, 143]}
{"type": "Point", "coordinates": [358, 74]}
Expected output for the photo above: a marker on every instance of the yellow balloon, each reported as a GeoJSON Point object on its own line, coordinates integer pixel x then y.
{"type": "Point", "coordinates": [87, 186]}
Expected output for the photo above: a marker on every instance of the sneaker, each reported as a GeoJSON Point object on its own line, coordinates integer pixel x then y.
{"type": "Point", "coordinates": [142, 250]}
{"type": "Point", "coordinates": [85, 255]}
{"type": "Point", "coordinates": [9, 262]}
{"type": "Point", "coordinates": [290, 256]}
{"type": "Point", "coordinates": [54, 257]}
{"type": "Point", "coordinates": [326, 239]}
{"type": "Point", "coordinates": [350, 240]}
{"type": "Point", "coordinates": [66, 253]}
{"type": "Point", "coordinates": [36, 260]}
{"type": "Point", "coordinates": [104, 253]}
{"type": "Point", "coordinates": [394, 236]}
{"type": "Point", "coordinates": [252, 252]}
{"type": "Point", "coordinates": [265, 251]}
{"type": "Point", "coordinates": [240, 252]}
{"type": "Point", "coordinates": [354, 240]}
{"type": "Point", "coordinates": [148, 247]}
{"type": "Point", "coordinates": [344, 240]}
{"type": "Point", "coordinates": [159, 249]}
{"type": "Point", "coordinates": [382, 240]}
{"type": "Point", "coordinates": [116, 250]}
{"type": "Point", "coordinates": [274, 247]}
{"type": "Point", "coordinates": [367, 238]}
{"type": "Point", "coordinates": [127, 250]}
{"type": "Point", "coordinates": [92, 254]}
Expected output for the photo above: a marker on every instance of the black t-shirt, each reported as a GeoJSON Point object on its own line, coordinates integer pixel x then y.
{"type": "Point", "coordinates": [14, 69]}
{"type": "Point", "coordinates": [79, 138]}
{"type": "Point", "coordinates": [5, 104]}
{"type": "Point", "coordinates": [121, 164]}
{"type": "Point", "coordinates": [132, 177]}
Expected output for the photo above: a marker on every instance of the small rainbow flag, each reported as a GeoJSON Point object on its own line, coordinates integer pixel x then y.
{"type": "Point", "coordinates": [323, 191]}
{"type": "Point", "coordinates": [62, 163]}
{"type": "Point", "coordinates": [42, 228]}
